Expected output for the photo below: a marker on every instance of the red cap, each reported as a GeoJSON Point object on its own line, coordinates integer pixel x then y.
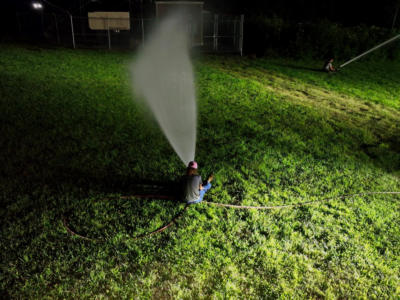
{"type": "Point", "coordinates": [192, 165]}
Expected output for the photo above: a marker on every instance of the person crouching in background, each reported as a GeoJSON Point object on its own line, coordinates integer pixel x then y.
{"type": "Point", "coordinates": [328, 66]}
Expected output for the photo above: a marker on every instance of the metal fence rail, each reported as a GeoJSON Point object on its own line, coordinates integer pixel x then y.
{"type": "Point", "coordinates": [220, 33]}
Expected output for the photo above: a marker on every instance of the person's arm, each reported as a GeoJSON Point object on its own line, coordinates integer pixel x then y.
{"type": "Point", "coordinates": [200, 184]}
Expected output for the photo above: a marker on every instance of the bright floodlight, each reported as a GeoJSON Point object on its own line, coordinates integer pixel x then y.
{"type": "Point", "coordinates": [37, 5]}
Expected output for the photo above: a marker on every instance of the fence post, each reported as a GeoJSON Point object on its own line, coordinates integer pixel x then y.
{"type": "Point", "coordinates": [191, 34]}
{"type": "Point", "coordinates": [72, 30]}
{"type": "Point", "coordinates": [142, 23]}
{"type": "Point", "coordinates": [18, 23]}
{"type": "Point", "coordinates": [395, 16]}
{"type": "Point", "coordinates": [58, 33]}
{"type": "Point", "coordinates": [108, 33]}
{"type": "Point", "coordinates": [215, 32]}
{"type": "Point", "coordinates": [241, 35]}
{"type": "Point", "coordinates": [42, 21]}
{"type": "Point", "coordinates": [234, 32]}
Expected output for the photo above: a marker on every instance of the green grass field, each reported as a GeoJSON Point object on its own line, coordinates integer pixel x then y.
{"type": "Point", "coordinates": [274, 132]}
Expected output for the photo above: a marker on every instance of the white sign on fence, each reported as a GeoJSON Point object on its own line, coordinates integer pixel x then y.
{"type": "Point", "coordinates": [113, 20]}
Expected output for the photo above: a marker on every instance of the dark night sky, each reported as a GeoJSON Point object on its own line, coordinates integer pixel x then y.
{"type": "Point", "coordinates": [348, 12]}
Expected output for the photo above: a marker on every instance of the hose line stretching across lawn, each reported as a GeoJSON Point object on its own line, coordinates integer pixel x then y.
{"type": "Point", "coordinates": [177, 216]}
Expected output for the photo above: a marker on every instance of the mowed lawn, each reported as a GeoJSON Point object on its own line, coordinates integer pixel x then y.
{"type": "Point", "coordinates": [274, 131]}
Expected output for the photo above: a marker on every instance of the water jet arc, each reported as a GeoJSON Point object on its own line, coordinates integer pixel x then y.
{"type": "Point", "coordinates": [162, 75]}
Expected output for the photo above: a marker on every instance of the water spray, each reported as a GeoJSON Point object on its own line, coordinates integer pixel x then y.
{"type": "Point", "coordinates": [371, 50]}
{"type": "Point", "coordinates": [163, 77]}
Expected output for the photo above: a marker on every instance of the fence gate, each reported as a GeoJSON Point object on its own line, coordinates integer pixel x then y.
{"type": "Point", "coordinates": [223, 33]}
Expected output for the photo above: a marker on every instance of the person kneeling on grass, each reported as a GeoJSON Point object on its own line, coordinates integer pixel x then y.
{"type": "Point", "coordinates": [193, 189]}
{"type": "Point", "coordinates": [328, 66]}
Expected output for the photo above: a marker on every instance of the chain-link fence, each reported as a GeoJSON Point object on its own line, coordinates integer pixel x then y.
{"type": "Point", "coordinates": [111, 37]}
{"type": "Point", "coordinates": [220, 33]}
{"type": "Point", "coordinates": [223, 33]}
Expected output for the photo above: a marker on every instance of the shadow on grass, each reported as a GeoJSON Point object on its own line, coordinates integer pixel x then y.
{"type": "Point", "coordinates": [106, 182]}
{"type": "Point", "coordinates": [291, 66]}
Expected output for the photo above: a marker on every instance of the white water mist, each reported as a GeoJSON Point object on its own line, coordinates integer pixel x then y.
{"type": "Point", "coordinates": [163, 77]}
